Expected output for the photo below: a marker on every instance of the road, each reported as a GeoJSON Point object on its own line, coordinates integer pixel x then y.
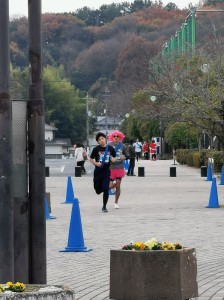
{"type": "Point", "coordinates": [65, 167]}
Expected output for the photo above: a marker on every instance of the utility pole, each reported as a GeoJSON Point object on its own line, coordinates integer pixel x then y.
{"type": "Point", "coordinates": [6, 202]}
{"type": "Point", "coordinates": [106, 116]}
{"type": "Point", "coordinates": [36, 147]}
{"type": "Point", "coordinates": [87, 123]}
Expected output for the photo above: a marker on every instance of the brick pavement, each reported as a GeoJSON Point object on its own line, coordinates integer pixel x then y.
{"type": "Point", "coordinates": [168, 208]}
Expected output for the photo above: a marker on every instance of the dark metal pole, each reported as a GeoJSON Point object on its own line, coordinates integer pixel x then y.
{"type": "Point", "coordinates": [36, 146]}
{"type": "Point", "coordinates": [161, 139]}
{"type": "Point", "coordinates": [87, 123]}
{"type": "Point", "coordinates": [6, 202]}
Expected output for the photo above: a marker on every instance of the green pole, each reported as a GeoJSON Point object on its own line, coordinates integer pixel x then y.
{"type": "Point", "coordinates": [189, 34]}
{"type": "Point", "coordinates": [183, 35]}
{"type": "Point", "coordinates": [172, 43]}
{"type": "Point", "coordinates": [193, 31]}
{"type": "Point", "coordinates": [175, 42]}
{"type": "Point", "coordinates": [179, 39]}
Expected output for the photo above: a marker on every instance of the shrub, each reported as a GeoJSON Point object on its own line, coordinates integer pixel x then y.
{"type": "Point", "coordinates": [198, 158]}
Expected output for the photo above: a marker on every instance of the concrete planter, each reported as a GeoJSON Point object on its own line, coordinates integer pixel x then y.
{"type": "Point", "coordinates": [153, 275]}
{"type": "Point", "coordinates": [40, 292]}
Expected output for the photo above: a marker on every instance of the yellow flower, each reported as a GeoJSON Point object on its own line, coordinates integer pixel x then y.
{"type": "Point", "coordinates": [137, 244]}
{"type": "Point", "coordinates": [17, 287]}
{"type": "Point", "coordinates": [151, 243]}
{"type": "Point", "coordinates": [140, 245]}
{"type": "Point", "coordinates": [9, 284]}
{"type": "Point", "coordinates": [1, 289]}
{"type": "Point", "coordinates": [20, 284]}
{"type": "Point", "coordinates": [168, 246]}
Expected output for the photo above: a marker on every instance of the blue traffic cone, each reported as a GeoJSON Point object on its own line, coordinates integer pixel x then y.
{"type": "Point", "coordinates": [209, 173]}
{"type": "Point", "coordinates": [222, 176]}
{"type": "Point", "coordinates": [47, 214]}
{"type": "Point", "coordinates": [75, 237]}
{"type": "Point", "coordinates": [69, 192]}
{"type": "Point", "coordinates": [213, 199]}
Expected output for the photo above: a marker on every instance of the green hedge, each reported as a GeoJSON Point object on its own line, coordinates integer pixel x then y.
{"type": "Point", "coordinates": [197, 158]}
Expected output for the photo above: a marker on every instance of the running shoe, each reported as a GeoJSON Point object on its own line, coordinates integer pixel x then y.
{"type": "Point", "coordinates": [116, 205]}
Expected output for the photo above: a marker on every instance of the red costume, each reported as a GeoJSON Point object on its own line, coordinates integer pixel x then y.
{"type": "Point", "coordinates": [153, 150]}
{"type": "Point", "coordinates": [145, 150]}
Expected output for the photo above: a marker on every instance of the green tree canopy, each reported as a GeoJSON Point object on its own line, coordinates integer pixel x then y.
{"type": "Point", "coordinates": [181, 135]}
{"type": "Point", "coordinates": [63, 106]}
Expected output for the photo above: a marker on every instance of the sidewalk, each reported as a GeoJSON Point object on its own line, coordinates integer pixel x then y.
{"type": "Point", "coordinates": [157, 205]}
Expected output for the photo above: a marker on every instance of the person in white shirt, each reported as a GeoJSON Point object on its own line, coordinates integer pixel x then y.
{"type": "Point", "coordinates": [79, 157]}
{"type": "Point", "coordinates": [138, 149]}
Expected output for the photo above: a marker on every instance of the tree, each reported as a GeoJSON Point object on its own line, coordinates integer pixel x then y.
{"type": "Point", "coordinates": [64, 107]}
{"type": "Point", "coordinates": [171, 6]}
{"type": "Point", "coordinates": [212, 2]}
{"type": "Point", "coordinates": [104, 15]}
{"type": "Point", "coordinates": [139, 4]}
{"type": "Point", "coordinates": [18, 83]}
{"type": "Point", "coordinates": [181, 135]}
{"type": "Point", "coordinates": [189, 92]}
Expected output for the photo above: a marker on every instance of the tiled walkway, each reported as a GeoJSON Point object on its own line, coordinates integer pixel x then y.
{"type": "Point", "coordinates": [157, 205]}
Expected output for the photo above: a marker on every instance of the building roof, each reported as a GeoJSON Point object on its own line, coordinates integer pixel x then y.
{"type": "Point", "coordinates": [58, 142]}
{"type": "Point", "coordinates": [49, 127]}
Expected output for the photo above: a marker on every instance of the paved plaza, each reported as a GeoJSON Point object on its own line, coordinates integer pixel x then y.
{"type": "Point", "coordinates": [156, 205]}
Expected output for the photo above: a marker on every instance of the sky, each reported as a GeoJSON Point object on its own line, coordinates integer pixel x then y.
{"type": "Point", "coordinates": [20, 7]}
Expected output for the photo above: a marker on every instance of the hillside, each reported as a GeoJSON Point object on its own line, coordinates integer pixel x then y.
{"type": "Point", "coordinates": [114, 55]}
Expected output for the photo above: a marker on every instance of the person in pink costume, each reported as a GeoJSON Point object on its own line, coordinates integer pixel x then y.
{"type": "Point", "coordinates": [117, 171]}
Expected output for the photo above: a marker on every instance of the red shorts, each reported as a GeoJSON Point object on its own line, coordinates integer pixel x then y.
{"type": "Point", "coordinates": [116, 173]}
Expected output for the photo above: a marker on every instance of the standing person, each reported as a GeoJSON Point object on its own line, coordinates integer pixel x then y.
{"type": "Point", "coordinates": [153, 150]}
{"type": "Point", "coordinates": [145, 150]}
{"type": "Point", "coordinates": [80, 157]}
{"type": "Point", "coordinates": [131, 155]}
{"type": "Point", "coordinates": [138, 149]}
{"type": "Point", "coordinates": [117, 171]}
{"type": "Point", "coordinates": [102, 155]}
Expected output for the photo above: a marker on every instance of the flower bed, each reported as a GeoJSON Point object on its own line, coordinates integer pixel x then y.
{"type": "Point", "coordinates": [12, 287]}
{"type": "Point", "coordinates": [153, 270]}
{"type": "Point", "coordinates": [10, 291]}
{"type": "Point", "coordinates": [152, 244]}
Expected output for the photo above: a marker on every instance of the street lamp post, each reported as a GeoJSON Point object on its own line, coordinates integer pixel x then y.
{"type": "Point", "coordinates": [107, 94]}
{"type": "Point", "coordinates": [88, 114]}
{"type": "Point", "coordinates": [87, 123]}
{"type": "Point", "coordinates": [88, 100]}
